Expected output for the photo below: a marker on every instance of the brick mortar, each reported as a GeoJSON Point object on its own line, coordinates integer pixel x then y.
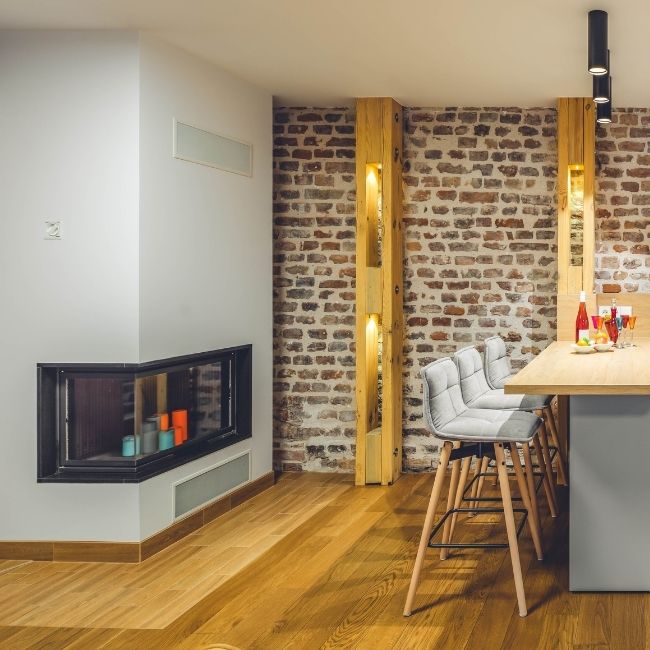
{"type": "Point", "coordinates": [623, 202]}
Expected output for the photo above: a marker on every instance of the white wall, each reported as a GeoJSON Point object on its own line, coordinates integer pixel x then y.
{"type": "Point", "coordinates": [205, 238]}
{"type": "Point", "coordinates": [68, 151]}
{"type": "Point", "coordinates": [159, 257]}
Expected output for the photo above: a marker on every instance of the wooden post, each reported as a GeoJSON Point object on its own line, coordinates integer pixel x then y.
{"type": "Point", "coordinates": [379, 295]}
{"type": "Point", "coordinates": [576, 127]}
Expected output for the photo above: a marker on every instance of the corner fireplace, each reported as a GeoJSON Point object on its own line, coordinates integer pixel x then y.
{"type": "Point", "coordinates": [129, 422]}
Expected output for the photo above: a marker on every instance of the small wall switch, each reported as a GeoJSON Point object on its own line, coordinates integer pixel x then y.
{"type": "Point", "coordinates": [53, 230]}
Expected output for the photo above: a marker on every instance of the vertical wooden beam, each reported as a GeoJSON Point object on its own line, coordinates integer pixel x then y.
{"type": "Point", "coordinates": [379, 154]}
{"type": "Point", "coordinates": [368, 152]}
{"type": "Point", "coordinates": [361, 391]}
{"type": "Point", "coordinates": [589, 218]}
{"type": "Point", "coordinates": [393, 310]}
{"type": "Point", "coordinates": [576, 147]}
{"type": "Point", "coordinates": [563, 222]}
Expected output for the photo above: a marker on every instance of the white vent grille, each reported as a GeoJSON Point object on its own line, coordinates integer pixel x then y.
{"type": "Point", "coordinates": [210, 484]}
{"type": "Point", "coordinates": [211, 149]}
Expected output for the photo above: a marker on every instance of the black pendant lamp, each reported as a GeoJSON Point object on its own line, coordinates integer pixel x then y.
{"type": "Point", "coordinates": [602, 86]}
{"type": "Point", "coordinates": [597, 64]}
{"type": "Point", "coordinates": [604, 109]}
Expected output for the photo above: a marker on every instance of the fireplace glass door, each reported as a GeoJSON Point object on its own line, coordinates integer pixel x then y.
{"type": "Point", "coordinates": [114, 417]}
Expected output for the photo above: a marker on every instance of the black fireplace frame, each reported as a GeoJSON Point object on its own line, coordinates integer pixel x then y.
{"type": "Point", "coordinates": [51, 424]}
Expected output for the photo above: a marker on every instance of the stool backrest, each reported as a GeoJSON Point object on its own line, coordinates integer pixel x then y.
{"type": "Point", "coordinates": [497, 363]}
{"type": "Point", "coordinates": [472, 377]}
{"type": "Point", "coordinates": [442, 397]}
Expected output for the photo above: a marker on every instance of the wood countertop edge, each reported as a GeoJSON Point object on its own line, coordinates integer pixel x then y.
{"type": "Point", "coordinates": [576, 390]}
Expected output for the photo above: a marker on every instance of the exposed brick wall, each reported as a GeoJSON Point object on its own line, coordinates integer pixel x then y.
{"type": "Point", "coordinates": [479, 205]}
{"type": "Point", "coordinates": [623, 202]}
{"type": "Point", "coordinates": [314, 221]}
{"type": "Point", "coordinates": [480, 213]}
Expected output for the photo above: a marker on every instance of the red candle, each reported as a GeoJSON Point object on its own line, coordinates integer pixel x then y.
{"type": "Point", "coordinates": [178, 436]}
{"type": "Point", "coordinates": [164, 421]}
{"type": "Point", "coordinates": [179, 419]}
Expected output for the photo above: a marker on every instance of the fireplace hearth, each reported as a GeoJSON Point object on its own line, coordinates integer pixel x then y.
{"type": "Point", "coordinates": [129, 422]}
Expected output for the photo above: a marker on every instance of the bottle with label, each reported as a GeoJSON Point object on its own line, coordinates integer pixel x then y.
{"type": "Point", "coordinates": [582, 321]}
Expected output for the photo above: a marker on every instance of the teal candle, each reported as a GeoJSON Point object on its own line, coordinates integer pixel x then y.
{"type": "Point", "coordinates": [128, 446]}
{"type": "Point", "coordinates": [166, 439]}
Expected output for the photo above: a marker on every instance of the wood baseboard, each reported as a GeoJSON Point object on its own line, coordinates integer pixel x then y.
{"type": "Point", "coordinates": [134, 552]}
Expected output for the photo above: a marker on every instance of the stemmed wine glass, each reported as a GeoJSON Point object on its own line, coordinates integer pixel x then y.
{"type": "Point", "coordinates": [597, 322]}
{"type": "Point", "coordinates": [626, 320]}
{"type": "Point", "coordinates": [632, 323]}
{"type": "Point", "coordinates": [619, 327]}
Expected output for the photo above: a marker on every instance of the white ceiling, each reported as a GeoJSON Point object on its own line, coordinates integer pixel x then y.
{"type": "Point", "coordinates": [422, 52]}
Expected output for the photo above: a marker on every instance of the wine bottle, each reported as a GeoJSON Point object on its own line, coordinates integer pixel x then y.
{"type": "Point", "coordinates": [582, 322]}
{"type": "Point", "coordinates": [613, 328]}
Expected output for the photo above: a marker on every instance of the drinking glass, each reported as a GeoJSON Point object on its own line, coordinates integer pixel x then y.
{"type": "Point", "coordinates": [610, 326]}
{"type": "Point", "coordinates": [598, 322]}
{"type": "Point", "coordinates": [626, 320]}
{"type": "Point", "coordinates": [619, 327]}
{"type": "Point", "coordinates": [632, 323]}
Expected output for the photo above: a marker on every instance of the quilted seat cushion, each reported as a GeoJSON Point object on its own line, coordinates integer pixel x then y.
{"type": "Point", "coordinates": [486, 425]}
{"type": "Point", "coordinates": [497, 363]}
{"type": "Point", "coordinates": [442, 397]}
{"type": "Point", "coordinates": [497, 399]}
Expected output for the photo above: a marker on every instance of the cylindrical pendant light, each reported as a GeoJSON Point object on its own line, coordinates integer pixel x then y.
{"type": "Point", "coordinates": [601, 85]}
{"type": "Point", "coordinates": [597, 63]}
{"type": "Point", "coordinates": [602, 92]}
{"type": "Point", "coordinates": [604, 110]}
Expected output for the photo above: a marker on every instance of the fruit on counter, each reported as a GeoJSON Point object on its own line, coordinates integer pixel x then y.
{"type": "Point", "coordinates": [583, 342]}
{"type": "Point", "coordinates": [601, 339]}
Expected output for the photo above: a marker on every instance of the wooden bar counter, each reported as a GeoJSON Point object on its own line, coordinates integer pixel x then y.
{"type": "Point", "coordinates": [609, 487]}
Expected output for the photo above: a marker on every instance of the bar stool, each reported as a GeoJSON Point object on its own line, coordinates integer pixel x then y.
{"type": "Point", "coordinates": [478, 394]}
{"type": "Point", "coordinates": [467, 432]}
{"type": "Point", "coordinates": [498, 371]}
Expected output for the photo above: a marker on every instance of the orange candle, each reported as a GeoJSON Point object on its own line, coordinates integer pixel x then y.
{"type": "Point", "coordinates": [164, 421]}
{"type": "Point", "coordinates": [178, 436]}
{"type": "Point", "coordinates": [179, 419]}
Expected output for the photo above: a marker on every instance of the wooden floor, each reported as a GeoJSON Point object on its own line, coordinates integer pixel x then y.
{"type": "Point", "coordinates": [316, 563]}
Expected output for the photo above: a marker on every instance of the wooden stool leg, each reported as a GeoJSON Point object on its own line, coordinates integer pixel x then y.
{"type": "Point", "coordinates": [428, 525]}
{"type": "Point", "coordinates": [562, 468]}
{"type": "Point", "coordinates": [484, 467]}
{"type": "Point", "coordinates": [451, 497]}
{"type": "Point", "coordinates": [474, 492]}
{"type": "Point", "coordinates": [548, 487]}
{"type": "Point", "coordinates": [535, 533]}
{"type": "Point", "coordinates": [543, 439]}
{"type": "Point", "coordinates": [459, 497]}
{"type": "Point", "coordinates": [530, 480]}
{"type": "Point", "coordinates": [510, 527]}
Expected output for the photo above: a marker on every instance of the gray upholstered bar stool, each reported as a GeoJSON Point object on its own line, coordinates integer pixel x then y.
{"type": "Point", "coordinates": [497, 373]}
{"type": "Point", "coordinates": [477, 394]}
{"type": "Point", "coordinates": [467, 432]}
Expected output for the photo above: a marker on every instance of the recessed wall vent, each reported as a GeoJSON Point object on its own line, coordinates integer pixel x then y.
{"type": "Point", "coordinates": [211, 149]}
{"type": "Point", "coordinates": [210, 484]}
